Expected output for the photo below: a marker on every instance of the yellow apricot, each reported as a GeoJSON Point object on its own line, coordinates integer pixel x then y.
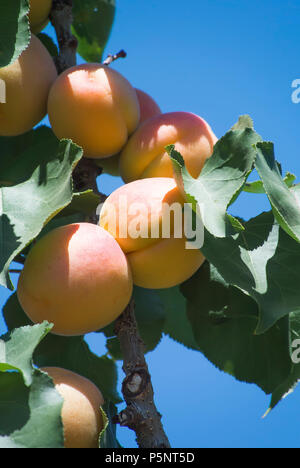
{"type": "Point", "coordinates": [27, 84]}
{"type": "Point", "coordinates": [164, 264]}
{"type": "Point", "coordinates": [145, 156]}
{"type": "Point", "coordinates": [148, 109]}
{"type": "Point", "coordinates": [96, 107]}
{"type": "Point", "coordinates": [39, 14]}
{"type": "Point", "coordinates": [77, 278]}
{"type": "Point", "coordinates": [138, 215]}
{"type": "Point", "coordinates": [81, 416]}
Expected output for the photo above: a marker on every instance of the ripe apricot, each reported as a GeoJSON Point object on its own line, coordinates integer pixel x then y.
{"type": "Point", "coordinates": [148, 109]}
{"type": "Point", "coordinates": [27, 84]}
{"type": "Point", "coordinates": [145, 156]}
{"type": "Point", "coordinates": [148, 106]}
{"type": "Point", "coordinates": [136, 214]}
{"type": "Point", "coordinates": [81, 416]}
{"type": "Point", "coordinates": [96, 107]}
{"type": "Point", "coordinates": [39, 14]}
{"type": "Point", "coordinates": [77, 278]}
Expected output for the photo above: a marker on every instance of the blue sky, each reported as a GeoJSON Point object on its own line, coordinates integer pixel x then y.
{"type": "Point", "coordinates": [219, 59]}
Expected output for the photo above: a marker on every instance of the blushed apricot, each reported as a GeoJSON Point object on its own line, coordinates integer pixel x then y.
{"type": "Point", "coordinates": [39, 14]}
{"type": "Point", "coordinates": [81, 416]}
{"type": "Point", "coordinates": [77, 278]}
{"type": "Point", "coordinates": [137, 214]}
{"type": "Point", "coordinates": [145, 156]}
{"type": "Point", "coordinates": [96, 107]}
{"type": "Point", "coordinates": [27, 84]}
{"type": "Point", "coordinates": [148, 109]}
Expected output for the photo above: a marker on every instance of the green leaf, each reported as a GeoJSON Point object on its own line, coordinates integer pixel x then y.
{"type": "Point", "coordinates": [30, 417]}
{"type": "Point", "coordinates": [14, 315]}
{"type": "Point", "coordinates": [22, 155]}
{"type": "Point", "coordinates": [108, 437]}
{"type": "Point", "coordinates": [27, 206]}
{"type": "Point", "coordinates": [92, 23]}
{"type": "Point", "coordinates": [17, 347]}
{"type": "Point", "coordinates": [14, 30]}
{"type": "Point", "coordinates": [254, 187]}
{"type": "Point", "coordinates": [285, 206]}
{"type": "Point", "coordinates": [224, 320]}
{"type": "Point", "coordinates": [289, 179]}
{"type": "Point", "coordinates": [290, 383]}
{"type": "Point", "coordinates": [262, 261]}
{"type": "Point", "coordinates": [71, 353]}
{"type": "Point", "coordinates": [257, 185]}
{"type": "Point", "coordinates": [245, 121]}
{"type": "Point", "coordinates": [48, 42]}
{"type": "Point", "coordinates": [83, 202]}
{"type": "Point", "coordinates": [222, 178]}
{"type": "Point", "coordinates": [177, 326]}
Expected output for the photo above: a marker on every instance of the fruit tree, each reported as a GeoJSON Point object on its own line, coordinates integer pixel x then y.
{"type": "Point", "coordinates": [162, 255]}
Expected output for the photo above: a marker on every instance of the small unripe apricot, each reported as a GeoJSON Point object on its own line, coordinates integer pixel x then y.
{"type": "Point", "coordinates": [96, 107]}
{"type": "Point", "coordinates": [145, 156]}
{"type": "Point", "coordinates": [39, 14]}
{"type": "Point", "coordinates": [27, 84]}
{"type": "Point", "coordinates": [77, 278]}
{"type": "Point", "coordinates": [148, 109]}
{"type": "Point", "coordinates": [81, 416]}
{"type": "Point", "coordinates": [138, 215]}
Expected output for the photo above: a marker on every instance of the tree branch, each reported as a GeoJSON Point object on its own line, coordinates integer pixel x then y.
{"type": "Point", "coordinates": [61, 19]}
{"type": "Point", "coordinates": [141, 414]}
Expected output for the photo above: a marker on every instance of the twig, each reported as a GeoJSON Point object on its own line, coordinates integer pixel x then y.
{"type": "Point", "coordinates": [141, 414]}
{"type": "Point", "coordinates": [15, 271]}
{"type": "Point", "coordinates": [61, 19]}
{"type": "Point", "coordinates": [111, 58]}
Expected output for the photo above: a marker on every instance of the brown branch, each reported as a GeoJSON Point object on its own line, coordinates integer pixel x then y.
{"type": "Point", "coordinates": [141, 414]}
{"type": "Point", "coordinates": [61, 19]}
{"type": "Point", "coordinates": [111, 58]}
{"type": "Point", "coordinates": [85, 178]}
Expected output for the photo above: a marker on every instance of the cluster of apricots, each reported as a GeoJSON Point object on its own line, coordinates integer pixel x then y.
{"type": "Point", "coordinates": [80, 277]}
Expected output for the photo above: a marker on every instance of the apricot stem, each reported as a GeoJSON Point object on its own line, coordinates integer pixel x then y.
{"type": "Point", "coordinates": [111, 58]}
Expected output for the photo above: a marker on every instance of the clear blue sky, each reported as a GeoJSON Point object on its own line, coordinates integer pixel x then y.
{"type": "Point", "coordinates": [218, 59]}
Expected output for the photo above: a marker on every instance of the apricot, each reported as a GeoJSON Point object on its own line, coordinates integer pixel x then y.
{"type": "Point", "coordinates": [81, 416]}
{"type": "Point", "coordinates": [96, 107]}
{"type": "Point", "coordinates": [77, 278]}
{"type": "Point", "coordinates": [27, 83]}
{"type": "Point", "coordinates": [136, 214]}
{"type": "Point", "coordinates": [39, 14]}
{"type": "Point", "coordinates": [148, 109]}
{"type": "Point", "coordinates": [148, 106]}
{"type": "Point", "coordinates": [145, 156]}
